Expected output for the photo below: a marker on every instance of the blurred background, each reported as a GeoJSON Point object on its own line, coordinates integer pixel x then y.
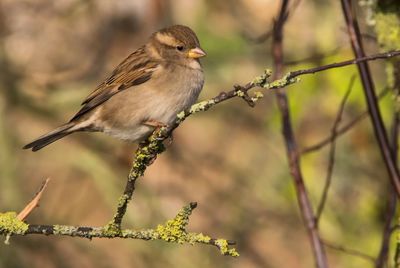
{"type": "Point", "coordinates": [231, 159]}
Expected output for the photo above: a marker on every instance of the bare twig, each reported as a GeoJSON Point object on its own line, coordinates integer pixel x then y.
{"type": "Point", "coordinates": [360, 59]}
{"type": "Point", "coordinates": [332, 150]}
{"type": "Point", "coordinates": [397, 252]}
{"type": "Point", "coordinates": [341, 130]}
{"type": "Point", "coordinates": [317, 57]}
{"type": "Point", "coordinates": [269, 33]}
{"type": "Point", "coordinates": [389, 215]}
{"type": "Point", "coordinates": [258, 39]}
{"type": "Point", "coordinates": [390, 212]}
{"type": "Point", "coordinates": [33, 203]}
{"type": "Point", "coordinates": [290, 142]}
{"type": "Point", "coordinates": [349, 251]}
{"type": "Point", "coordinates": [369, 92]}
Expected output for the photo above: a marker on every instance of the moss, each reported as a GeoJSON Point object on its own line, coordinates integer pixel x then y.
{"type": "Point", "coordinates": [10, 224]}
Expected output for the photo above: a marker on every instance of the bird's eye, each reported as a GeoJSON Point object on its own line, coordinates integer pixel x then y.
{"type": "Point", "coordinates": [179, 48]}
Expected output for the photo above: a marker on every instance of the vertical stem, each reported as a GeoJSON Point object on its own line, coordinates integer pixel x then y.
{"type": "Point", "coordinates": [392, 198]}
{"type": "Point", "coordinates": [290, 142]}
{"type": "Point", "coordinates": [369, 92]}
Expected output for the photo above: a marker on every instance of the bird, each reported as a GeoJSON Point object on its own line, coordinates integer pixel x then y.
{"type": "Point", "coordinates": [144, 92]}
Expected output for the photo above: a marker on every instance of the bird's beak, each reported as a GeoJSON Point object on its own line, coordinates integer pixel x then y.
{"type": "Point", "coordinates": [195, 53]}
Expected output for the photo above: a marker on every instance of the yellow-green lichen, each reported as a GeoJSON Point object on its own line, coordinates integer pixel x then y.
{"type": "Point", "coordinates": [257, 95]}
{"type": "Point", "coordinates": [262, 79]}
{"type": "Point", "coordinates": [122, 200]}
{"type": "Point", "coordinates": [174, 230]}
{"type": "Point", "coordinates": [148, 234]}
{"type": "Point", "coordinates": [201, 106]}
{"type": "Point", "coordinates": [111, 230]}
{"type": "Point", "coordinates": [10, 224]}
{"type": "Point", "coordinates": [280, 83]}
{"type": "Point", "coordinates": [224, 248]}
{"type": "Point", "coordinates": [180, 116]}
{"type": "Point", "coordinates": [64, 230]}
{"type": "Point", "coordinates": [240, 93]}
{"type": "Point", "coordinates": [198, 238]}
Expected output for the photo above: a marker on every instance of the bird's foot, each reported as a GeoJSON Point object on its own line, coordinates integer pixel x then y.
{"type": "Point", "coordinates": [157, 125]}
{"type": "Point", "coordinates": [154, 123]}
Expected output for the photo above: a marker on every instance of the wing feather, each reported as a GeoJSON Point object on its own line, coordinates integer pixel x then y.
{"type": "Point", "coordinates": [136, 69]}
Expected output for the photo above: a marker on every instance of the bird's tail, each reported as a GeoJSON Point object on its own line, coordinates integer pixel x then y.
{"type": "Point", "coordinates": [51, 137]}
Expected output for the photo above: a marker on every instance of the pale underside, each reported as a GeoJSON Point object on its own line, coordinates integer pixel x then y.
{"type": "Point", "coordinates": [159, 99]}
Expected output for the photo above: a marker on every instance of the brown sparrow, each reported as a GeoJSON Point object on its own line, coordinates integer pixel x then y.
{"type": "Point", "coordinates": [146, 90]}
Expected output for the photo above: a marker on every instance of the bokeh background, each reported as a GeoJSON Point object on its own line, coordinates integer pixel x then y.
{"type": "Point", "coordinates": [231, 159]}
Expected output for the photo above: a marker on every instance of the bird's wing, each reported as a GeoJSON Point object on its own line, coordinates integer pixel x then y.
{"type": "Point", "coordinates": [136, 69]}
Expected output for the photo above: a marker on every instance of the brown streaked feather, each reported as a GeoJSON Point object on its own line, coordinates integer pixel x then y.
{"type": "Point", "coordinates": [136, 69]}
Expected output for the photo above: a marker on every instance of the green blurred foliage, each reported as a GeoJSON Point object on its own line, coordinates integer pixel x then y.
{"type": "Point", "coordinates": [231, 159]}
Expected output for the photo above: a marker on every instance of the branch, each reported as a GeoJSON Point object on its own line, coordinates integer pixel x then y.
{"type": "Point", "coordinates": [390, 212]}
{"type": "Point", "coordinates": [387, 230]}
{"type": "Point", "coordinates": [369, 92]}
{"type": "Point", "coordinates": [290, 142]}
{"type": "Point", "coordinates": [332, 150]}
{"type": "Point", "coordinates": [341, 130]}
{"type": "Point", "coordinates": [358, 60]}
{"type": "Point", "coordinates": [173, 231]}
{"type": "Point", "coordinates": [349, 251]}
{"type": "Point", "coordinates": [316, 57]}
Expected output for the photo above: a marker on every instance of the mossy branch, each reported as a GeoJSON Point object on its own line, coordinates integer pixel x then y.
{"type": "Point", "coordinates": [174, 230]}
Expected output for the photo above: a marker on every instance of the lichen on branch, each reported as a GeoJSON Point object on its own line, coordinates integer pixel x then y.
{"type": "Point", "coordinates": [11, 225]}
{"type": "Point", "coordinates": [172, 231]}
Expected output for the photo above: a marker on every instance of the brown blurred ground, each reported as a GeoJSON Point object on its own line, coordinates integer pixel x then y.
{"type": "Point", "coordinates": [230, 160]}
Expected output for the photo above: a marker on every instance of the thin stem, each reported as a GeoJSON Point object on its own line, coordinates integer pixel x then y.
{"type": "Point", "coordinates": [391, 201]}
{"type": "Point", "coordinates": [369, 92]}
{"type": "Point", "coordinates": [290, 142]}
{"type": "Point", "coordinates": [349, 251]}
{"type": "Point", "coordinates": [358, 60]}
{"type": "Point", "coordinates": [332, 150]}
{"type": "Point", "coordinates": [342, 130]}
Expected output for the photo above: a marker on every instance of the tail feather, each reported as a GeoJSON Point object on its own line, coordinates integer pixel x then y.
{"type": "Point", "coordinates": [50, 137]}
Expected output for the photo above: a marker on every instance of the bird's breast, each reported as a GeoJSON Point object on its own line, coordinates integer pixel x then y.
{"type": "Point", "coordinates": [176, 93]}
{"type": "Point", "coordinates": [159, 99]}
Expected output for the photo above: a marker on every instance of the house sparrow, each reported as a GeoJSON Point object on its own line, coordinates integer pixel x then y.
{"type": "Point", "coordinates": [146, 90]}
